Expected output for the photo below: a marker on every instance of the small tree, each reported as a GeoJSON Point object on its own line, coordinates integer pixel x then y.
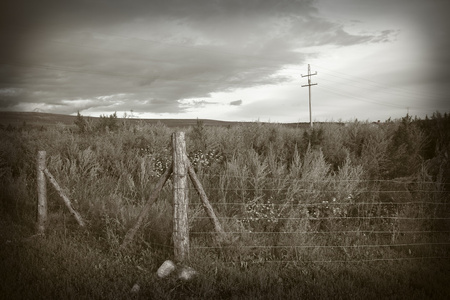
{"type": "Point", "coordinates": [405, 149]}
{"type": "Point", "coordinates": [313, 137]}
{"type": "Point", "coordinates": [81, 123]}
{"type": "Point", "coordinates": [198, 135]}
{"type": "Point", "coordinates": [108, 123]}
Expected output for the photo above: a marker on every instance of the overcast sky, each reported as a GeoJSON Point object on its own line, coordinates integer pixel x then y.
{"type": "Point", "coordinates": [237, 60]}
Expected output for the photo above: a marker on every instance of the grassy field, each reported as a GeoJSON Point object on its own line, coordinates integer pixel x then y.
{"type": "Point", "coordinates": [334, 212]}
{"type": "Point", "coordinates": [71, 266]}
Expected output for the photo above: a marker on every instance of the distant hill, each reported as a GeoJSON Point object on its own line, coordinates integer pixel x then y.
{"type": "Point", "coordinates": [33, 119]}
{"type": "Point", "coordinates": [38, 119]}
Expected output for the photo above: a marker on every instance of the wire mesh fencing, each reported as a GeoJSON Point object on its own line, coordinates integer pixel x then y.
{"type": "Point", "coordinates": [375, 221]}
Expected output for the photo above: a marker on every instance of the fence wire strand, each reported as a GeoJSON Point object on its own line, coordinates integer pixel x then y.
{"type": "Point", "coordinates": [390, 242]}
{"type": "Point", "coordinates": [309, 191]}
{"type": "Point", "coordinates": [295, 180]}
{"type": "Point", "coordinates": [322, 232]}
{"type": "Point", "coordinates": [344, 261]}
{"type": "Point", "coordinates": [324, 246]}
{"type": "Point", "coordinates": [328, 203]}
{"type": "Point", "coordinates": [331, 218]}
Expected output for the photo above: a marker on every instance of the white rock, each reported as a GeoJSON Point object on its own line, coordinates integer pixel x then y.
{"type": "Point", "coordinates": [135, 289]}
{"type": "Point", "coordinates": [187, 273]}
{"type": "Point", "coordinates": [166, 268]}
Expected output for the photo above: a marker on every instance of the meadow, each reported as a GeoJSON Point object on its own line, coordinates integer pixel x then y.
{"type": "Point", "coordinates": [342, 210]}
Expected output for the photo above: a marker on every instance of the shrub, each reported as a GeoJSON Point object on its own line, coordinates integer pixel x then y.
{"type": "Point", "coordinates": [405, 149]}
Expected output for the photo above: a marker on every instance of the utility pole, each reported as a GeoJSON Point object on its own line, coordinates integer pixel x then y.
{"type": "Point", "coordinates": [309, 86]}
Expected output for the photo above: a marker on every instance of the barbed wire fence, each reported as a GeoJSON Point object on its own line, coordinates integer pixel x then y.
{"type": "Point", "coordinates": [278, 216]}
{"type": "Point", "coordinates": [404, 221]}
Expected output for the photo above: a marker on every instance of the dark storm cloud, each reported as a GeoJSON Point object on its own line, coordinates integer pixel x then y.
{"type": "Point", "coordinates": [147, 55]}
{"type": "Point", "coordinates": [9, 96]}
{"type": "Point", "coordinates": [19, 15]}
{"type": "Point", "coordinates": [236, 103]}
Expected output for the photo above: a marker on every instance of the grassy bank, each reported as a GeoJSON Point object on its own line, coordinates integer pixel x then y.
{"type": "Point", "coordinates": [70, 266]}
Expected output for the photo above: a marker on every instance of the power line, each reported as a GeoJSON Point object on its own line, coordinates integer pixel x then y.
{"type": "Point", "coordinates": [309, 88]}
{"type": "Point", "coordinates": [346, 94]}
{"type": "Point", "coordinates": [384, 91]}
{"type": "Point", "coordinates": [362, 99]}
{"type": "Point", "coordinates": [375, 83]}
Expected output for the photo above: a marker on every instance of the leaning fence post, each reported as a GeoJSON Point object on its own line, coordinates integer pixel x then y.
{"type": "Point", "coordinates": [42, 193]}
{"type": "Point", "coordinates": [64, 198]}
{"type": "Point", "coordinates": [180, 197]}
{"type": "Point", "coordinates": [223, 238]}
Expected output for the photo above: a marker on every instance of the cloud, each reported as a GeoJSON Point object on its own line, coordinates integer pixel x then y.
{"type": "Point", "coordinates": [73, 55]}
{"type": "Point", "coordinates": [192, 103]}
{"type": "Point", "coordinates": [386, 36]}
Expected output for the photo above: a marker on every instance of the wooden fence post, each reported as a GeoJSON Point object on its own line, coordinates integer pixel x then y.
{"type": "Point", "coordinates": [180, 197]}
{"type": "Point", "coordinates": [42, 193]}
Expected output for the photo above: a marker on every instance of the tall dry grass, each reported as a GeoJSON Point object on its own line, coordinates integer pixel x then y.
{"type": "Point", "coordinates": [284, 193]}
